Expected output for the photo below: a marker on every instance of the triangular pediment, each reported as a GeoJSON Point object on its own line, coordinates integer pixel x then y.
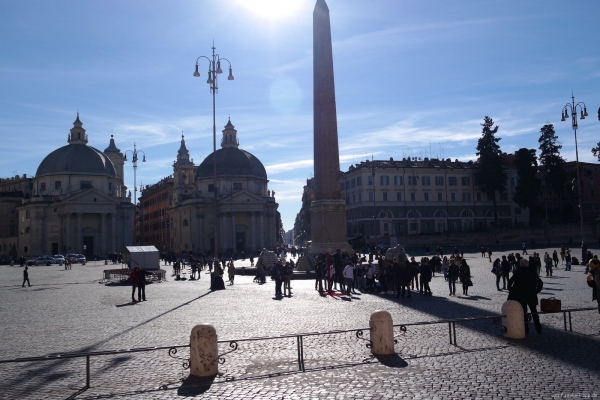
{"type": "Point", "coordinates": [245, 196]}
{"type": "Point", "coordinates": [91, 195]}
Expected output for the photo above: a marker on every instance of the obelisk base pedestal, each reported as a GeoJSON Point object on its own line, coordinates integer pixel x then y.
{"type": "Point", "coordinates": [328, 226]}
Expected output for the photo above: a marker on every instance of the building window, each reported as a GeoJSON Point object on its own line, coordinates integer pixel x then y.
{"type": "Point", "coordinates": [426, 196]}
{"type": "Point", "coordinates": [43, 187]}
{"type": "Point", "coordinates": [370, 180]}
{"type": "Point", "coordinates": [359, 197]}
{"type": "Point", "coordinates": [398, 196]}
{"type": "Point", "coordinates": [237, 187]}
{"type": "Point", "coordinates": [465, 180]}
{"type": "Point", "coordinates": [425, 181]}
{"type": "Point", "coordinates": [385, 196]}
{"type": "Point", "coordinates": [384, 180]}
{"type": "Point", "coordinates": [185, 222]}
{"type": "Point", "coordinates": [348, 199]}
{"type": "Point", "coordinates": [398, 180]}
{"type": "Point", "coordinates": [412, 180]}
{"type": "Point", "coordinates": [413, 196]}
{"type": "Point", "coordinates": [439, 196]}
{"type": "Point", "coordinates": [57, 185]}
{"type": "Point", "coordinates": [353, 182]}
{"type": "Point", "coordinates": [371, 196]}
{"type": "Point", "coordinates": [452, 196]}
{"type": "Point", "coordinates": [358, 181]}
{"type": "Point", "coordinates": [452, 181]}
{"type": "Point", "coordinates": [466, 196]}
{"type": "Point", "coordinates": [85, 185]}
{"type": "Point", "coordinates": [478, 196]}
{"type": "Point", "coordinates": [439, 181]}
{"type": "Point", "coordinates": [27, 214]}
{"type": "Point", "coordinates": [413, 226]}
{"type": "Point", "coordinates": [109, 186]}
{"type": "Point", "coordinates": [343, 185]}
{"type": "Point", "coordinates": [211, 187]}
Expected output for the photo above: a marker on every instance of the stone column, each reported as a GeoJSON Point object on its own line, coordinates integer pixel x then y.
{"type": "Point", "coordinates": [204, 351]}
{"type": "Point", "coordinates": [113, 229]}
{"type": "Point", "coordinates": [261, 231]}
{"type": "Point", "coordinates": [233, 242]}
{"type": "Point", "coordinates": [222, 236]}
{"type": "Point", "coordinates": [103, 252]}
{"type": "Point", "coordinates": [253, 230]}
{"type": "Point", "coordinates": [382, 333]}
{"type": "Point", "coordinates": [79, 239]}
{"type": "Point", "coordinates": [513, 320]}
{"type": "Point", "coordinates": [68, 233]}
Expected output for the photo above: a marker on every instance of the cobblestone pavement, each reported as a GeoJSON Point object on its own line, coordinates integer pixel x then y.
{"type": "Point", "coordinates": [73, 311]}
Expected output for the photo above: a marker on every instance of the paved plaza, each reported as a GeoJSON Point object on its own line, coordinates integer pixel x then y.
{"type": "Point", "coordinates": [73, 311]}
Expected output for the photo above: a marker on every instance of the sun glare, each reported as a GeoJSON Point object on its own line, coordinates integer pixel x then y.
{"type": "Point", "coordinates": [272, 9]}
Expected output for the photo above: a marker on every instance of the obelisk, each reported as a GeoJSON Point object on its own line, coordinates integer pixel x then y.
{"type": "Point", "coordinates": [328, 209]}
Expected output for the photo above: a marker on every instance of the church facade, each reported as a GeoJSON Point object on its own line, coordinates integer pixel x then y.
{"type": "Point", "coordinates": [78, 201]}
{"type": "Point", "coordinates": [246, 211]}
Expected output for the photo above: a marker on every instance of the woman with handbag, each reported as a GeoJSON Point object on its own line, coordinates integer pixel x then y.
{"type": "Point", "coordinates": [593, 280]}
{"type": "Point", "coordinates": [465, 276]}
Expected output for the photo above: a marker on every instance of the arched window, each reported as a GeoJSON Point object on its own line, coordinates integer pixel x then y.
{"type": "Point", "coordinates": [440, 214]}
{"type": "Point", "coordinates": [185, 222]}
{"type": "Point", "coordinates": [27, 231]}
{"type": "Point", "coordinates": [467, 213]}
{"type": "Point", "coordinates": [413, 214]}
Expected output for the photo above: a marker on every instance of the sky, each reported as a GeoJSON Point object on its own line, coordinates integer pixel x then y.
{"type": "Point", "coordinates": [413, 78]}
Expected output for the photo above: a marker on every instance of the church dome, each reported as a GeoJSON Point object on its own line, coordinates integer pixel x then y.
{"type": "Point", "coordinates": [78, 159]}
{"type": "Point", "coordinates": [231, 161]}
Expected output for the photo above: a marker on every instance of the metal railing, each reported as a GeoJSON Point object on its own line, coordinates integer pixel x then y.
{"type": "Point", "coordinates": [565, 312]}
{"type": "Point", "coordinates": [451, 325]}
{"type": "Point", "coordinates": [299, 338]}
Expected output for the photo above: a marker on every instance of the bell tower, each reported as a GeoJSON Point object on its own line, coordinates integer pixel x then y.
{"type": "Point", "coordinates": [183, 173]}
{"type": "Point", "coordinates": [77, 135]}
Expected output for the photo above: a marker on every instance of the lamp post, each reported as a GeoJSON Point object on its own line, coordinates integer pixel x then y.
{"type": "Point", "coordinates": [214, 69]}
{"type": "Point", "coordinates": [134, 160]}
{"type": "Point", "coordinates": [572, 108]}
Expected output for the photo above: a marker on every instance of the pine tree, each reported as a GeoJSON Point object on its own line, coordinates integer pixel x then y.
{"type": "Point", "coordinates": [529, 185]}
{"type": "Point", "coordinates": [552, 162]}
{"type": "Point", "coordinates": [490, 170]}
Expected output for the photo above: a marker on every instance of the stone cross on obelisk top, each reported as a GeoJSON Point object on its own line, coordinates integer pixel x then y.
{"type": "Point", "coordinates": [328, 210]}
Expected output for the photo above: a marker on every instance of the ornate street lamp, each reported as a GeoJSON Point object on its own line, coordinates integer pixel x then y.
{"type": "Point", "coordinates": [134, 160]}
{"type": "Point", "coordinates": [214, 69]}
{"type": "Point", "coordinates": [572, 108]}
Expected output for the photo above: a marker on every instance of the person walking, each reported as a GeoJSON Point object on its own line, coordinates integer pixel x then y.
{"type": "Point", "coordinates": [497, 270]}
{"type": "Point", "coordinates": [548, 264]}
{"type": "Point", "coordinates": [524, 286]}
{"type": "Point", "coordinates": [349, 277]}
{"type": "Point", "coordinates": [319, 276]}
{"type": "Point", "coordinates": [287, 277]}
{"type": "Point", "coordinates": [465, 276]}
{"type": "Point", "coordinates": [133, 276]}
{"type": "Point", "coordinates": [141, 283]}
{"type": "Point", "coordinates": [426, 275]}
{"type": "Point", "coordinates": [404, 277]}
{"type": "Point", "coordinates": [231, 272]}
{"type": "Point", "coordinates": [445, 267]}
{"type": "Point", "coordinates": [26, 277]}
{"type": "Point", "coordinates": [593, 279]}
{"type": "Point", "coordinates": [505, 266]}
{"type": "Point", "coordinates": [277, 276]}
{"type": "Point", "coordinates": [453, 274]}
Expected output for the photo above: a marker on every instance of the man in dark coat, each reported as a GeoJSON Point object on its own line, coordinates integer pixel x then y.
{"type": "Point", "coordinates": [524, 286]}
{"type": "Point", "coordinates": [278, 277]}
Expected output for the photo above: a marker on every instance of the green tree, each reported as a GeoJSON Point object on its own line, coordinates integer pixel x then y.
{"type": "Point", "coordinates": [529, 185]}
{"type": "Point", "coordinates": [490, 171]}
{"type": "Point", "coordinates": [552, 162]}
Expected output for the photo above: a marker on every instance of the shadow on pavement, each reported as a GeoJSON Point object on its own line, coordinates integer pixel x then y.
{"type": "Point", "coordinates": [392, 361]}
{"type": "Point", "coordinates": [195, 386]}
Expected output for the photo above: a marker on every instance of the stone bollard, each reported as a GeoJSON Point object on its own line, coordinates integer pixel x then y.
{"type": "Point", "coordinates": [382, 333]}
{"type": "Point", "coordinates": [514, 320]}
{"type": "Point", "coordinates": [204, 352]}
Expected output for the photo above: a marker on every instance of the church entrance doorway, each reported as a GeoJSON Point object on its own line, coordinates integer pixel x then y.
{"type": "Point", "coordinates": [88, 247]}
{"type": "Point", "coordinates": [240, 241]}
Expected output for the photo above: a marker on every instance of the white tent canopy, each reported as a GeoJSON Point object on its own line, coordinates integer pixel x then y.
{"type": "Point", "coordinates": [146, 257]}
